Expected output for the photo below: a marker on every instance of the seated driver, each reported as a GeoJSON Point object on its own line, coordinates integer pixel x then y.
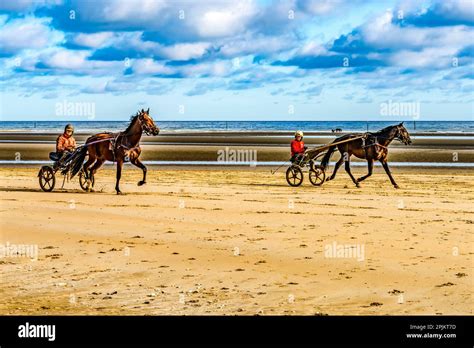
{"type": "Point", "coordinates": [66, 144]}
{"type": "Point", "coordinates": [297, 147]}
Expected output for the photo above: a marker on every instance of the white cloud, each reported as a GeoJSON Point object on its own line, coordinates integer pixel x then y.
{"type": "Point", "coordinates": [426, 58]}
{"type": "Point", "coordinates": [217, 68]}
{"type": "Point", "coordinates": [28, 33]}
{"type": "Point", "coordinates": [149, 66]}
{"type": "Point", "coordinates": [65, 59]}
{"type": "Point", "coordinates": [381, 33]}
{"type": "Point", "coordinates": [320, 7]}
{"type": "Point", "coordinates": [251, 44]}
{"type": "Point", "coordinates": [185, 51]}
{"type": "Point", "coordinates": [95, 40]}
{"type": "Point", "coordinates": [64, 62]}
{"type": "Point", "coordinates": [145, 10]}
{"type": "Point", "coordinates": [313, 48]}
{"type": "Point", "coordinates": [227, 21]}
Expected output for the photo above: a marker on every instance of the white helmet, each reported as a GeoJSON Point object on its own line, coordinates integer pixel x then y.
{"type": "Point", "coordinates": [299, 133]}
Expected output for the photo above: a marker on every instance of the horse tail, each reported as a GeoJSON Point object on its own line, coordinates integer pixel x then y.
{"type": "Point", "coordinates": [327, 156]}
{"type": "Point", "coordinates": [78, 161]}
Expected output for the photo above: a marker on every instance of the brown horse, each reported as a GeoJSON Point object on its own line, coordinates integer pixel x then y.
{"type": "Point", "coordinates": [119, 147]}
{"type": "Point", "coordinates": [373, 146]}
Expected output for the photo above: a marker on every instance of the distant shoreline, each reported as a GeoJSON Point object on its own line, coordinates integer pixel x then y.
{"type": "Point", "coordinates": [266, 133]}
{"type": "Point", "coordinates": [310, 127]}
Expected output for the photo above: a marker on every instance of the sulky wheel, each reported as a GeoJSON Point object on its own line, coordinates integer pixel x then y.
{"type": "Point", "coordinates": [85, 183]}
{"type": "Point", "coordinates": [294, 176]}
{"type": "Point", "coordinates": [47, 180]}
{"type": "Point", "coordinates": [317, 176]}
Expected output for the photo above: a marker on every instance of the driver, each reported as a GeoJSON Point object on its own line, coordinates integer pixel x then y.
{"type": "Point", "coordinates": [66, 144]}
{"type": "Point", "coordinates": [297, 147]}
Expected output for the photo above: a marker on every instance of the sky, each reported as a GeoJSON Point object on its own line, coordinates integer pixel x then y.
{"type": "Point", "coordinates": [237, 60]}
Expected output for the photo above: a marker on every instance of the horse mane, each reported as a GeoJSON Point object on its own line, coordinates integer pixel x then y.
{"type": "Point", "coordinates": [133, 118]}
{"type": "Point", "coordinates": [384, 130]}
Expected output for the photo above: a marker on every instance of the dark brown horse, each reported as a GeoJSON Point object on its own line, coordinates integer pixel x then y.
{"type": "Point", "coordinates": [372, 146]}
{"type": "Point", "coordinates": [119, 147]}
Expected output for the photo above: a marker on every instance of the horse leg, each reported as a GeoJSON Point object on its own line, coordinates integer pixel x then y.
{"type": "Point", "coordinates": [119, 175]}
{"type": "Point", "coordinates": [387, 170]}
{"type": "Point", "coordinates": [370, 165]}
{"type": "Point", "coordinates": [336, 167]}
{"type": "Point", "coordinates": [139, 164]}
{"type": "Point", "coordinates": [348, 170]}
{"type": "Point", "coordinates": [96, 167]}
{"type": "Point", "coordinates": [89, 162]}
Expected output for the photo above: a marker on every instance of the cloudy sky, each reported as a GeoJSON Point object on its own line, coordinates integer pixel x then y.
{"type": "Point", "coordinates": [237, 60]}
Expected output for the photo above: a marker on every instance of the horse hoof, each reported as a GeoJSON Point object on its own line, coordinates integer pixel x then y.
{"type": "Point", "coordinates": [396, 186]}
{"type": "Point", "coordinates": [140, 183]}
{"type": "Point", "coordinates": [119, 192]}
{"type": "Point", "coordinates": [357, 185]}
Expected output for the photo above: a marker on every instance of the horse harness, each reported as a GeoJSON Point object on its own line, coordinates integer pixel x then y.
{"type": "Point", "coordinates": [374, 143]}
{"type": "Point", "coordinates": [118, 137]}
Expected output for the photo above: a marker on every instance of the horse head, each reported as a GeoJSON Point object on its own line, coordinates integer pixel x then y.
{"type": "Point", "coordinates": [402, 134]}
{"type": "Point", "coordinates": [147, 124]}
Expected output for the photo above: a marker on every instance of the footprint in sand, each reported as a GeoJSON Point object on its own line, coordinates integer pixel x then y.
{"type": "Point", "coordinates": [395, 292]}
{"type": "Point", "coordinates": [376, 304]}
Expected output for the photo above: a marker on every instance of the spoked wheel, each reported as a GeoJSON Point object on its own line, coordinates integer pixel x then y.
{"type": "Point", "coordinates": [86, 183]}
{"type": "Point", "coordinates": [317, 176]}
{"type": "Point", "coordinates": [47, 179]}
{"type": "Point", "coordinates": [294, 176]}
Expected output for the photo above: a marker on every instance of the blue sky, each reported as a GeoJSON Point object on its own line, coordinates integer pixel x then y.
{"type": "Point", "coordinates": [237, 60]}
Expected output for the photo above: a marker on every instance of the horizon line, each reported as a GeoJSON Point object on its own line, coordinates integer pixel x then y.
{"type": "Point", "coordinates": [126, 120]}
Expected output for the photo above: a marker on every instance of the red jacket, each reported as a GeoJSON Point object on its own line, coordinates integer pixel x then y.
{"type": "Point", "coordinates": [297, 147]}
{"type": "Point", "coordinates": [65, 142]}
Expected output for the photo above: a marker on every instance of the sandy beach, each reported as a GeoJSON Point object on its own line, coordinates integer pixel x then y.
{"type": "Point", "coordinates": [239, 241]}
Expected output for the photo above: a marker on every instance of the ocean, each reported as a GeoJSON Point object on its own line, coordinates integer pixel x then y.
{"type": "Point", "coordinates": [239, 126]}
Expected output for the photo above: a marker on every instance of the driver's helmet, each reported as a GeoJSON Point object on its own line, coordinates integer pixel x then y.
{"type": "Point", "coordinates": [298, 133]}
{"type": "Point", "coordinates": [69, 127]}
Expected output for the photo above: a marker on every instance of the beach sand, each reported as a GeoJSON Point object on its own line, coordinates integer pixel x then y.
{"type": "Point", "coordinates": [239, 241]}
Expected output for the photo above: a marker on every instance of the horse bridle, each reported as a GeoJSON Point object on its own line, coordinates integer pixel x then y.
{"type": "Point", "coordinates": [145, 128]}
{"type": "Point", "coordinates": [400, 136]}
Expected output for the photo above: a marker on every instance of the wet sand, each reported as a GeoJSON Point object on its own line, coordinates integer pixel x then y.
{"type": "Point", "coordinates": [239, 241]}
{"type": "Point", "coordinates": [263, 146]}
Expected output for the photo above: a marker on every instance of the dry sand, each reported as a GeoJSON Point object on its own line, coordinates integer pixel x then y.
{"type": "Point", "coordinates": [198, 241]}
